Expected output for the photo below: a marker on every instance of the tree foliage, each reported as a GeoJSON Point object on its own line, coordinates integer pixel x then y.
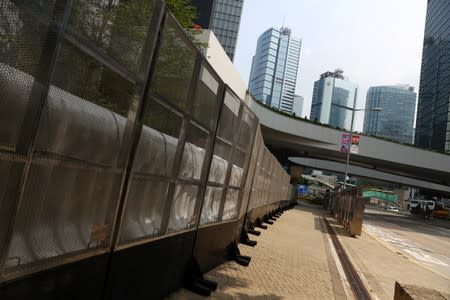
{"type": "Point", "coordinates": [183, 11]}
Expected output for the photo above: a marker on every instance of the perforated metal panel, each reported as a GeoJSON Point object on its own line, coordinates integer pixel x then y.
{"type": "Point", "coordinates": [80, 82]}
{"type": "Point", "coordinates": [194, 152]}
{"type": "Point", "coordinates": [230, 209]}
{"type": "Point", "coordinates": [119, 29]}
{"type": "Point", "coordinates": [251, 175]}
{"type": "Point", "coordinates": [26, 48]}
{"type": "Point", "coordinates": [152, 169]}
{"type": "Point", "coordinates": [144, 211]}
{"type": "Point", "coordinates": [211, 205]}
{"type": "Point", "coordinates": [10, 172]}
{"type": "Point", "coordinates": [73, 115]}
{"type": "Point", "coordinates": [205, 103]}
{"type": "Point", "coordinates": [174, 67]}
{"type": "Point", "coordinates": [182, 212]}
{"type": "Point", "coordinates": [61, 206]}
{"type": "Point", "coordinates": [15, 87]}
{"type": "Point", "coordinates": [172, 148]}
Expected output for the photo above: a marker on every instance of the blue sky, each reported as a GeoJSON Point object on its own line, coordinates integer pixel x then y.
{"type": "Point", "coordinates": [375, 42]}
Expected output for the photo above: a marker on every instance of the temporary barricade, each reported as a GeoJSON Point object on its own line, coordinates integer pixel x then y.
{"type": "Point", "coordinates": [127, 166]}
{"type": "Point", "coordinates": [347, 206]}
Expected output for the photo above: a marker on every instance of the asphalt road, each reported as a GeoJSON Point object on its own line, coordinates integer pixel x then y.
{"type": "Point", "coordinates": [424, 241]}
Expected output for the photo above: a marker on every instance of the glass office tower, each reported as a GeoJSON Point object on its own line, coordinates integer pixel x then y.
{"type": "Point", "coordinates": [298, 105]}
{"type": "Point", "coordinates": [223, 18]}
{"type": "Point", "coordinates": [333, 100]}
{"type": "Point", "coordinates": [273, 75]}
{"type": "Point", "coordinates": [396, 120]}
{"type": "Point", "coordinates": [433, 110]}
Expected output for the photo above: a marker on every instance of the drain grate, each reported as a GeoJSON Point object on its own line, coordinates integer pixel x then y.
{"type": "Point", "coordinates": [358, 287]}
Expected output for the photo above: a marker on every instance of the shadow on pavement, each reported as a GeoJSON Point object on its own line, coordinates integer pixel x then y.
{"type": "Point", "coordinates": [258, 297]}
{"type": "Point", "coordinates": [225, 278]}
{"type": "Point", "coordinates": [319, 212]}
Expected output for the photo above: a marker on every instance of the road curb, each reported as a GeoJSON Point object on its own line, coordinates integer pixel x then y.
{"type": "Point", "coordinates": [361, 275]}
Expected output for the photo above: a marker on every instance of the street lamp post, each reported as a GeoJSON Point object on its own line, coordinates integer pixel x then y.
{"type": "Point", "coordinates": [349, 144]}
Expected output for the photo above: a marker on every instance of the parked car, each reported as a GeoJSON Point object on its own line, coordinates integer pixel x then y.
{"type": "Point", "coordinates": [392, 208]}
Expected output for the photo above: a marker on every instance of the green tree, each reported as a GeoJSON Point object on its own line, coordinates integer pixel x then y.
{"type": "Point", "coordinates": [183, 11]}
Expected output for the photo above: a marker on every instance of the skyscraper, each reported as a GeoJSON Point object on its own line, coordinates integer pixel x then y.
{"type": "Point", "coordinates": [298, 105]}
{"type": "Point", "coordinates": [223, 18]}
{"type": "Point", "coordinates": [433, 110]}
{"type": "Point", "coordinates": [333, 100]}
{"type": "Point", "coordinates": [396, 120]}
{"type": "Point", "coordinates": [273, 75]}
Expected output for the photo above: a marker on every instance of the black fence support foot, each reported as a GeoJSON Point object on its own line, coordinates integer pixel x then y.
{"type": "Point", "coordinates": [195, 282]}
{"type": "Point", "coordinates": [246, 240]}
{"type": "Point", "coordinates": [243, 260]}
{"type": "Point", "coordinates": [199, 289]}
{"type": "Point", "coordinates": [235, 254]}
{"type": "Point", "coordinates": [259, 224]}
{"type": "Point", "coordinates": [254, 232]}
{"type": "Point", "coordinates": [266, 220]}
{"type": "Point", "coordinates": [212, 285]}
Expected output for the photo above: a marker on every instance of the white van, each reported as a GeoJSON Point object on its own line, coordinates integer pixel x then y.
{"type": "Point", "coordinates": [416, 202]}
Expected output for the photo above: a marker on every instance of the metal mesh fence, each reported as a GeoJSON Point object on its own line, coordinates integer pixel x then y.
{"type": "Point", "coordinates": [68, 77]}
{"type": "Point", "coordinates": [270, 182]}
{"type": "Point", "coordinates": [85, 95]}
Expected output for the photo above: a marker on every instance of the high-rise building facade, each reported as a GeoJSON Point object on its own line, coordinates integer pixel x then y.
{"type": "Point", "coordinates": [333, 100]}
{"type": "Point", "coordinates": [223, 18]}
{"type": "Point", "coordinates": [298, 105]}
{"type": "Point", "coordinates": [433, 110]}
{"type": "Point", "coordinates": [273, 75]}
{"type": "Point", "coordinates": [396, 120]}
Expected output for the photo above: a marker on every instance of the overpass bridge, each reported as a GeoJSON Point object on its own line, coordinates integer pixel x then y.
{"type": "Point", "coordinates": [287, 136]}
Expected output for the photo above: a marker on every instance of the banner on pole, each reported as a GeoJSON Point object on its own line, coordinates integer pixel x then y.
{"type": "Point", "coordinates": [345, 143]}
{"type": "Point", "coordinates": [355, 144]}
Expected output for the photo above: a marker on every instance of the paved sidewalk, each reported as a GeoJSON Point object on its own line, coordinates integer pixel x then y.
{"type": "Point", "coordinates": [292, 260]}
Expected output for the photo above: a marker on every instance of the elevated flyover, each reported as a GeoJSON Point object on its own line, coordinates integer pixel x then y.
{"type": "Point", "coordinates": [291, 137]}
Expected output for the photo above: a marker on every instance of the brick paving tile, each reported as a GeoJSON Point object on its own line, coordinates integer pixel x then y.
{"type": "Point", "coordinates": [290, 261]}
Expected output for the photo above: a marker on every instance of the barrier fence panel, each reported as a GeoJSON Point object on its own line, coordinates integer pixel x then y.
{"type": "Point", "coordinates": [221, 162]}
{"type": "Point", "coordinates": [73, 75]}
{"type": "Point", "coordinates": [118, 140]}
{"type": "Point", "coordinates": [26, 51]}
{"type": "Point", "coordinates": [250, 178]}
{"type": "Point", "coordinates": [71, 191]}
{"type": "Point", "coordinates": [270, 185]}
{"type": "Point", "coordinates": [241, 159]}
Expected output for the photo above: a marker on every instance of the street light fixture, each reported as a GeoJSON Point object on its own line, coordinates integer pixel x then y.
{"type": "Point", "coordinates": [349, 143]}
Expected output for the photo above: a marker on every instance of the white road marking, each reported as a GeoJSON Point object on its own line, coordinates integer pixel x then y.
{"type": "Point", "coordinates": [425, 257]}
{"type": "Point", "coordinates": [396, 240]}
